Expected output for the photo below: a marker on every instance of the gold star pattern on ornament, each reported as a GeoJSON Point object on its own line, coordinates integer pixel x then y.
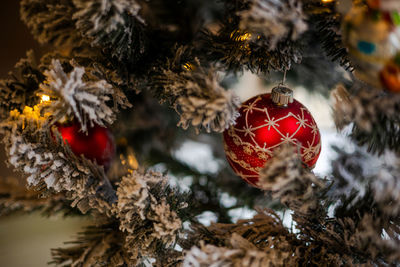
{"type": "Point", "coordinates": [265, 152]}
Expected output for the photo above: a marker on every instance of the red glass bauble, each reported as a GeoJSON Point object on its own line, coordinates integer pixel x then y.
{"type": "Point", "coordinates": [97, 145]}
{"type": "Point", "coordinates": [262, 127]}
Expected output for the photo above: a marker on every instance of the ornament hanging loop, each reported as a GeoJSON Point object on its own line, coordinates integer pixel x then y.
{"type": "Point", "coordinates": [282, 95]}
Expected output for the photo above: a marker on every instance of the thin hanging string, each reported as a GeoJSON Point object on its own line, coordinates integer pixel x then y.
{"type": "Point", "coordinates": [283, 78]}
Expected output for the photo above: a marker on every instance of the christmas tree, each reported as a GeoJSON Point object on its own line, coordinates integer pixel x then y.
{"type": "Point", "coordinates": [94, 123]}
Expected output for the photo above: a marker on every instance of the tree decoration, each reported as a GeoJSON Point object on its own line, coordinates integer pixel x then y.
{"type": "Point", "coordinates": [97, 144]}
{"type": "Point", "coordinates": [385, 5]}
{"type": "Point", "coordinates": [105, 51]}
{"type": "Point", "coordinates": [266, 122]}
{"type": "Point", "coordinates": [372, 37]}
{"type": "Point", "coordinates": [390, 75]}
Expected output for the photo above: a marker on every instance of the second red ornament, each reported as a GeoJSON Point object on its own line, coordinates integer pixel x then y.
{"type": "Point", "coordinates": [266, 122]}
{"type": "Point", "coordinates": [98, 144]}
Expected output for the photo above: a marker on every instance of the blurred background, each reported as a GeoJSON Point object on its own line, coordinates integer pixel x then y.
{"type": "Point", "coordinates": [26, 240]}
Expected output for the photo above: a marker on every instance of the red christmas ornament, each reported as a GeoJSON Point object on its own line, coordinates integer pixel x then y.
{"type": "Point", "coordinates": [267, 121]}
{"type": "Point", "coordinates": [97, 145]}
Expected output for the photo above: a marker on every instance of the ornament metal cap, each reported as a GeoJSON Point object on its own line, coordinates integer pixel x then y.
{"type": "Point", "coordinates": [282, 95]}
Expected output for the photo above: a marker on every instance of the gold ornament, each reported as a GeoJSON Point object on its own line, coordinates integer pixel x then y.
{"type": "Point", "coordinates": [373, 41]}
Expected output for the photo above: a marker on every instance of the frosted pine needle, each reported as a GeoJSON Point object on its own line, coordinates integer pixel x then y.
{"type": "Point", "coordinates": [145, 215]}
{"type": "Point", "coordinates": [114, 24]}
{"type": "Point", "coordinates": [200, 99]}
{"type": "Point", "coordinates": [287, 180]}
{"type": "Point", "coordinates": [276, 20]}
{"type": "Point", "coordinates": [51, 22]}
{"type": "Point", "coordinates": [85, 100]}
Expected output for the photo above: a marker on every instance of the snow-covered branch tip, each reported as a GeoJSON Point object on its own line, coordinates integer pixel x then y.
{"type": "Point", "coordinates": [98, 243]}
{"type": "Point", "coordinates": [364, 106]}
{"type": "Point", "coordinates": [20, 88]}
{"type": "Point", "coordinates": [51, 22]}
{"type": "Point", "coordinates": [49, 163]}
{"type": "Point", "coordinates": [373, 114]}
{"type": "Point", "coordinates": [239, 252]}
{"type": "Point", "coordinates": [252, 53]}
{"type": "Point", "coordinates": [357, 174]}
{"type": "Point", "coordinates": [200, 99]}
{"type": "Point", "coordinates": [146, 214]}
{"type": "Point", "coordinates": [260, 241]}
{"type": "Point", "coordinates": [71, 95]}
{"type": "Point", "coordinates": [112, 24]}
{"type": "Point", "coordinates": [275, 20]}
{"type": "Point", "coordinates": [290, 182]}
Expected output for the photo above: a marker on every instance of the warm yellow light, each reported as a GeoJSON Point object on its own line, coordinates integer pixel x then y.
{"type": "Point", "coordinates": [45, 98]}
{"type": "Point", "coordinates": [240, 37]}
{"type": "Point", "coordinates": [189, 66]}
{"type": "Point", "coordinates": [129, 160]}
{"type": "Point", "coordinates": [327, 1]}
{"type": "Point", "coordinates": [244, 37]}
{"type": "Point", "coordinates": [132, 162]}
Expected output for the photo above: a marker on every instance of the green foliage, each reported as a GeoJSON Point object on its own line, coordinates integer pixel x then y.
{"type": "Point", "coordinates": [106, 54]}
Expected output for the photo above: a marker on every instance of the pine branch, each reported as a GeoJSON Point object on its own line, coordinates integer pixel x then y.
{"type": "Point", "coordinates": [227, 47]}
{"type": "Point", "coordinates": [275, 21]}
{"type": "Point", "coordinates": [148, 211]}
{"type": "Point", "coordinates": [98, 67]}
{"type": "Point", "coordinates": [196, 95]}
{"type": "Point", "coordinates": [50, 22]}
{"type": "Point", "coordinates": [328, 23]}
{"type": "Point", "coordinates": [16, 198]}
{"type": "Point", "coordinates": [259, 35]}
{"type": "Point", "coordinates": [355, 231]}
{"type": "Point", "coordinates": [260, 241]}
{"type": "Point", "coordinates": [34, 150]}
{"type": "Point", "coordinates": [97, 245]}
{"type": "Point", "coordinates": [145, 222]}
{"type": "Point", "coordinates": [115, 26]}
{"type": "Point", "coordinates": [373, 113]}
{"type": "Point", "coordinates": [360, 176]}
{"type": "Point", "coordinates": [316, 73]}
{"type": "Point", "coordinates": [350, 218]}
{"type": "Point", "coordinates": [86, 101]}
{"type": "Point", "coordinates": [207, 189]}
{"type": "Point", "coordinates": [291, 183]}
{"type": "Point", "coordinates": [21, 87]}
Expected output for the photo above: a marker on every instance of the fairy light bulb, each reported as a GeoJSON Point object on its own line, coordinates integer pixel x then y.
{"type": "Point", "coordinates": [189, 66]}
{"type": "Point", "coordinates": [44, 98]}
{"type": "Point", "coordinates": [238, 36]}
